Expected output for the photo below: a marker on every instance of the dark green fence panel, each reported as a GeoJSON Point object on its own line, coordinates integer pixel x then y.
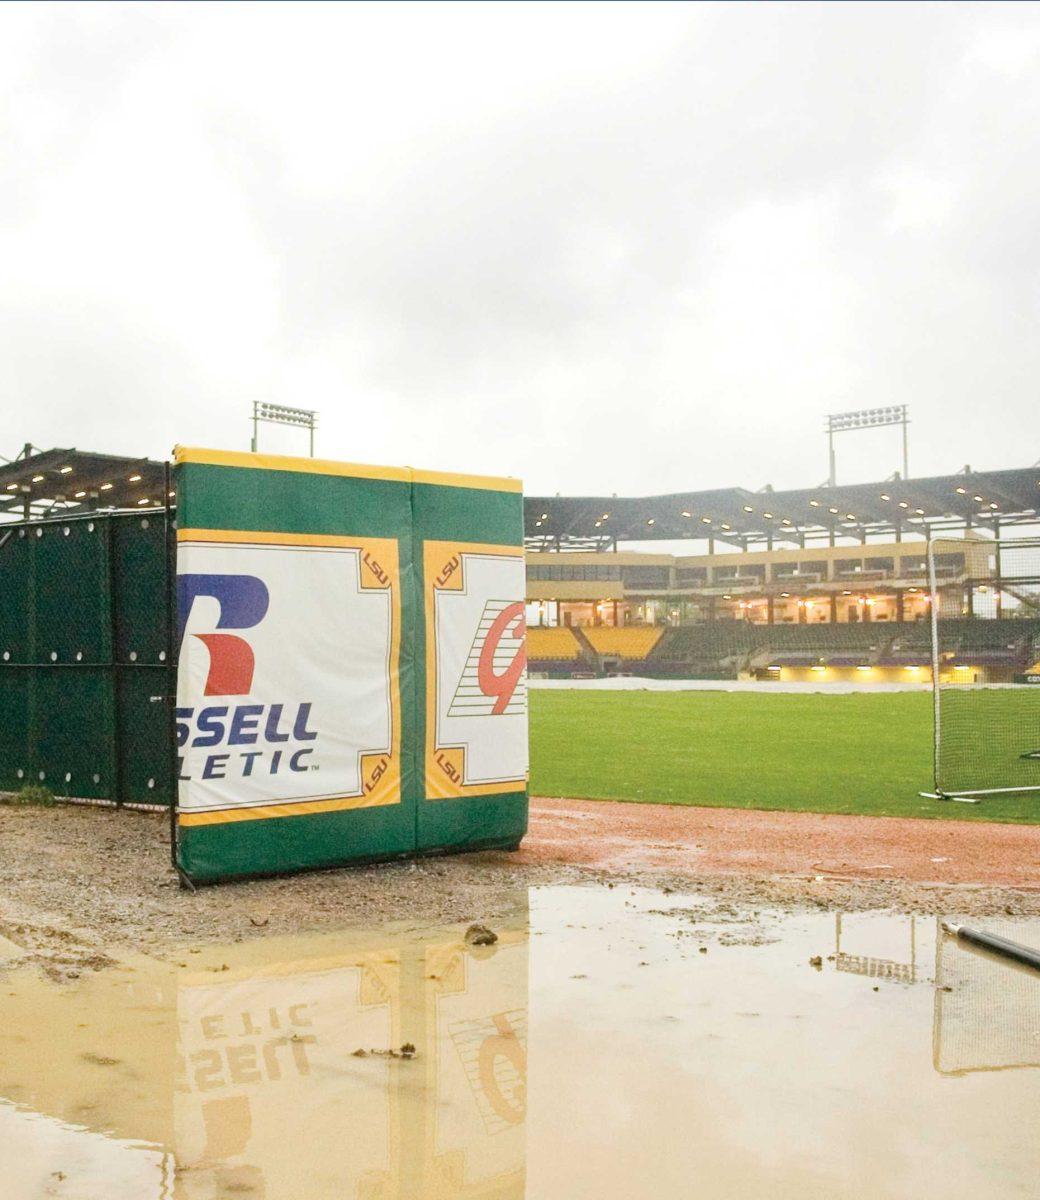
{"type": "Point", "coordinates": [15, 753]}
{"type": "Point", "coordinates": [83, 647]}
{"type": "Point", "coordinates": [145, 775]}
{"type": "Point", "coordinates": [138, 568]}
{"type": "Point", "coordinates": [71, 591]}
{"type": "Point", "coordinates": [74, 754]}
{"type": "Point", "coordinates": [16, 588]}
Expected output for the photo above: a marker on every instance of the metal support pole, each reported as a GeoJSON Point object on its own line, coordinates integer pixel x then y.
{"type": "Point", "coordinates": [113, 658]}
{"type": "Point", "coordinates": [832, 478]}
{"type": "Point", "coordinates": [906, 445]}
{"type": "Point", "coordinates": [256, 426]}
{"type": "Point", "coordinates": [171, 656]}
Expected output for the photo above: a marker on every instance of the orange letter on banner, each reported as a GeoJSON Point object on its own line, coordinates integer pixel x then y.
{"type": "Point", "coordinates": [509, 620]}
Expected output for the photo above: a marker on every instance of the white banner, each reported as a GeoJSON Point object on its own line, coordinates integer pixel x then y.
{"type": "Point", "coordinates": [476, 669]}
{"type": "Point", "coordinates": [287, 691]}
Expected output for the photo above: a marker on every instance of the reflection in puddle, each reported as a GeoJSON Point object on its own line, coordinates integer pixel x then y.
{"type": "Point", "coordinates": [677, 1047]}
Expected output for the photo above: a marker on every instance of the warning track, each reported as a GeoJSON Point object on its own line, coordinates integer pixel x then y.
{"type": "Point", "coordinates": [706, 841]}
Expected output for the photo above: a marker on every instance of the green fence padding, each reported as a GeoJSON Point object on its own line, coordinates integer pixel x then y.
{"type": "Point", "coordinates": [348, 668]}
{"type": "Point", "coordinates": [470, 566]}
{"type": "Point", "coordinates": [303, 668]}
{"type": "Point", "coordinates": [80, 597]}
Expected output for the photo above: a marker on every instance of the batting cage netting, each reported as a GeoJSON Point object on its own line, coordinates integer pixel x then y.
{"type": "Point", "coordinates": [985, 646]}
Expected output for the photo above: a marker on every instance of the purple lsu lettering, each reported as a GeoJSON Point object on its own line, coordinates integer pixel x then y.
{"type": "Point", "coordinates": [224, 725]}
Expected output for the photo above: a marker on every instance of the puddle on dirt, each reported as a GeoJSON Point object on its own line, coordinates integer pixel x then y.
{"type": "Point", "coordinates": [610, 1043]}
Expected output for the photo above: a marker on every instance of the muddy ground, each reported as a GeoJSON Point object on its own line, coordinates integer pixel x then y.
{"type": "Point", "coordinates": [80, 883]}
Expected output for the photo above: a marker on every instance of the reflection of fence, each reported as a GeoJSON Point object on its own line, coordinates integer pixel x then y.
{"type": "Point", "coordinates": [876, 968]}
{"type": "Point", "coordinates": [83, 649]}
{"type": "Point", "coordinates": [987, 1010]}
{"type": "Point", "coordinates": [493, 1052]}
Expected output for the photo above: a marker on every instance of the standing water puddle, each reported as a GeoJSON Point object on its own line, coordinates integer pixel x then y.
{"type": "Point", "coordinates": [611, 1043]}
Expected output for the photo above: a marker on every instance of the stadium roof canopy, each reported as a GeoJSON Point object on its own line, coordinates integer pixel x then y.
{"type": "Point", "coordinates": [43, 483]}
{"type": "Point", "coordinates": [986, 500]}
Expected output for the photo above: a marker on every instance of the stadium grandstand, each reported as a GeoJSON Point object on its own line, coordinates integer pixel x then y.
{"type": "Point", "coordinates": [821, 583]}
{"type": "Point", "coordinates": [826, 583]}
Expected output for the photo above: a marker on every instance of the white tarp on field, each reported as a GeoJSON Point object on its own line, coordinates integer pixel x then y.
{"type": "Point", "coordinates": [632, 683]}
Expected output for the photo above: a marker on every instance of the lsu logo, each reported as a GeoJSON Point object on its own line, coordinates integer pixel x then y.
{"type": "Point", "coordinates": [243, 600]}
{"type": "Point", "coordinates": [493, 682]}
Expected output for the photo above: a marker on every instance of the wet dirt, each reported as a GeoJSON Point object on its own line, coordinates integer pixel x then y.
{"type": "Point", "coordinates": [78, 883]}
{"type": "Point", "coordinates": [591, 1051]}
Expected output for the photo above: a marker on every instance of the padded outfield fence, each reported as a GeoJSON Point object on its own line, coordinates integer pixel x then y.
{"type": "Point", "coordinates": [350, 651]}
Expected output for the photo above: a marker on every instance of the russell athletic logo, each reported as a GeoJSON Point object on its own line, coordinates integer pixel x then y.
{"type": "Point", "coordinates": [243, 739]}
{"type": "Point", "coordinates": [492, 681]}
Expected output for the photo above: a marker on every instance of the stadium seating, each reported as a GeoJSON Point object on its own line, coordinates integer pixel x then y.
{"type": "Point", "coordinates": [721, 649]}
{"type": "Point", "coordinates": [557, 644]}
{"type": "Point", "coordinates": [633, 643]}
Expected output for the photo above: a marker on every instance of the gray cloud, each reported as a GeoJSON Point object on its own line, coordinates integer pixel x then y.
{"type": "Point", "coordinates": [603, 247]}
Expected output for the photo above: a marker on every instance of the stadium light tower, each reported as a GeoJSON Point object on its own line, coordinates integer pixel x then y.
{"type": "Point", "coordinates": [867, 418]}
{"type": "Point", "coordinates": [280, 414]}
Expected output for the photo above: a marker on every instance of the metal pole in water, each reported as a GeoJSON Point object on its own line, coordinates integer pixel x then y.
{"type": "Point", "coordinates": [1015, 951]}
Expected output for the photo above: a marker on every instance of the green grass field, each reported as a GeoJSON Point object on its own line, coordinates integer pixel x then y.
{"type": "Point", "coordinates": [861, 753]}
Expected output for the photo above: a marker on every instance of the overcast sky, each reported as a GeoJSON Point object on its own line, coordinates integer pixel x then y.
{"type": "Point", "coordinates": [605, 248]}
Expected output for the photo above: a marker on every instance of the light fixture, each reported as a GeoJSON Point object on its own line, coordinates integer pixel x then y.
{"type": "Point", "coordinates": [919, 511]}
{"type": "Point", "coordinates": [707, 521]}
{"type": "Point", "coordinates": [815, 503]}
{"type": "Point", "coordinates": [885, 496]}
{"type": "Point", "coordinates": [605, 516]}
{"type": "Point", "coordinates": [962, 491]}
{"type": "Point", "coordinates": [38, 478]}
{"type": "Point", "coordinates": [725, 526]}
{"type": "Point", "coordinates": [687, 514]}
{"type": "Point", "coordinates": [79, 495]}
{"type": "Point", "coordinates": [105, 487]}
{"type": "Point", "coordinates": [144, 501]}
{"type": "Point", "coordinates": [12, 487]}
{"type": "Point", "coordinates": [850, 516]}
{"type": "Point", "coordinates": [833, 510]}
{"type": "Point", "coordinates": [748, 508]}
{"type": "Point", "coordinates": [903, 504]}
{"type": "Point", "coordinates": [650, 521]}
{"type": "Point", "coordinates": [768, 516]}
{"type": "Point", "coordinates": [64, 470]}
{"type": "Point", "coordinates": [135, 478]}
